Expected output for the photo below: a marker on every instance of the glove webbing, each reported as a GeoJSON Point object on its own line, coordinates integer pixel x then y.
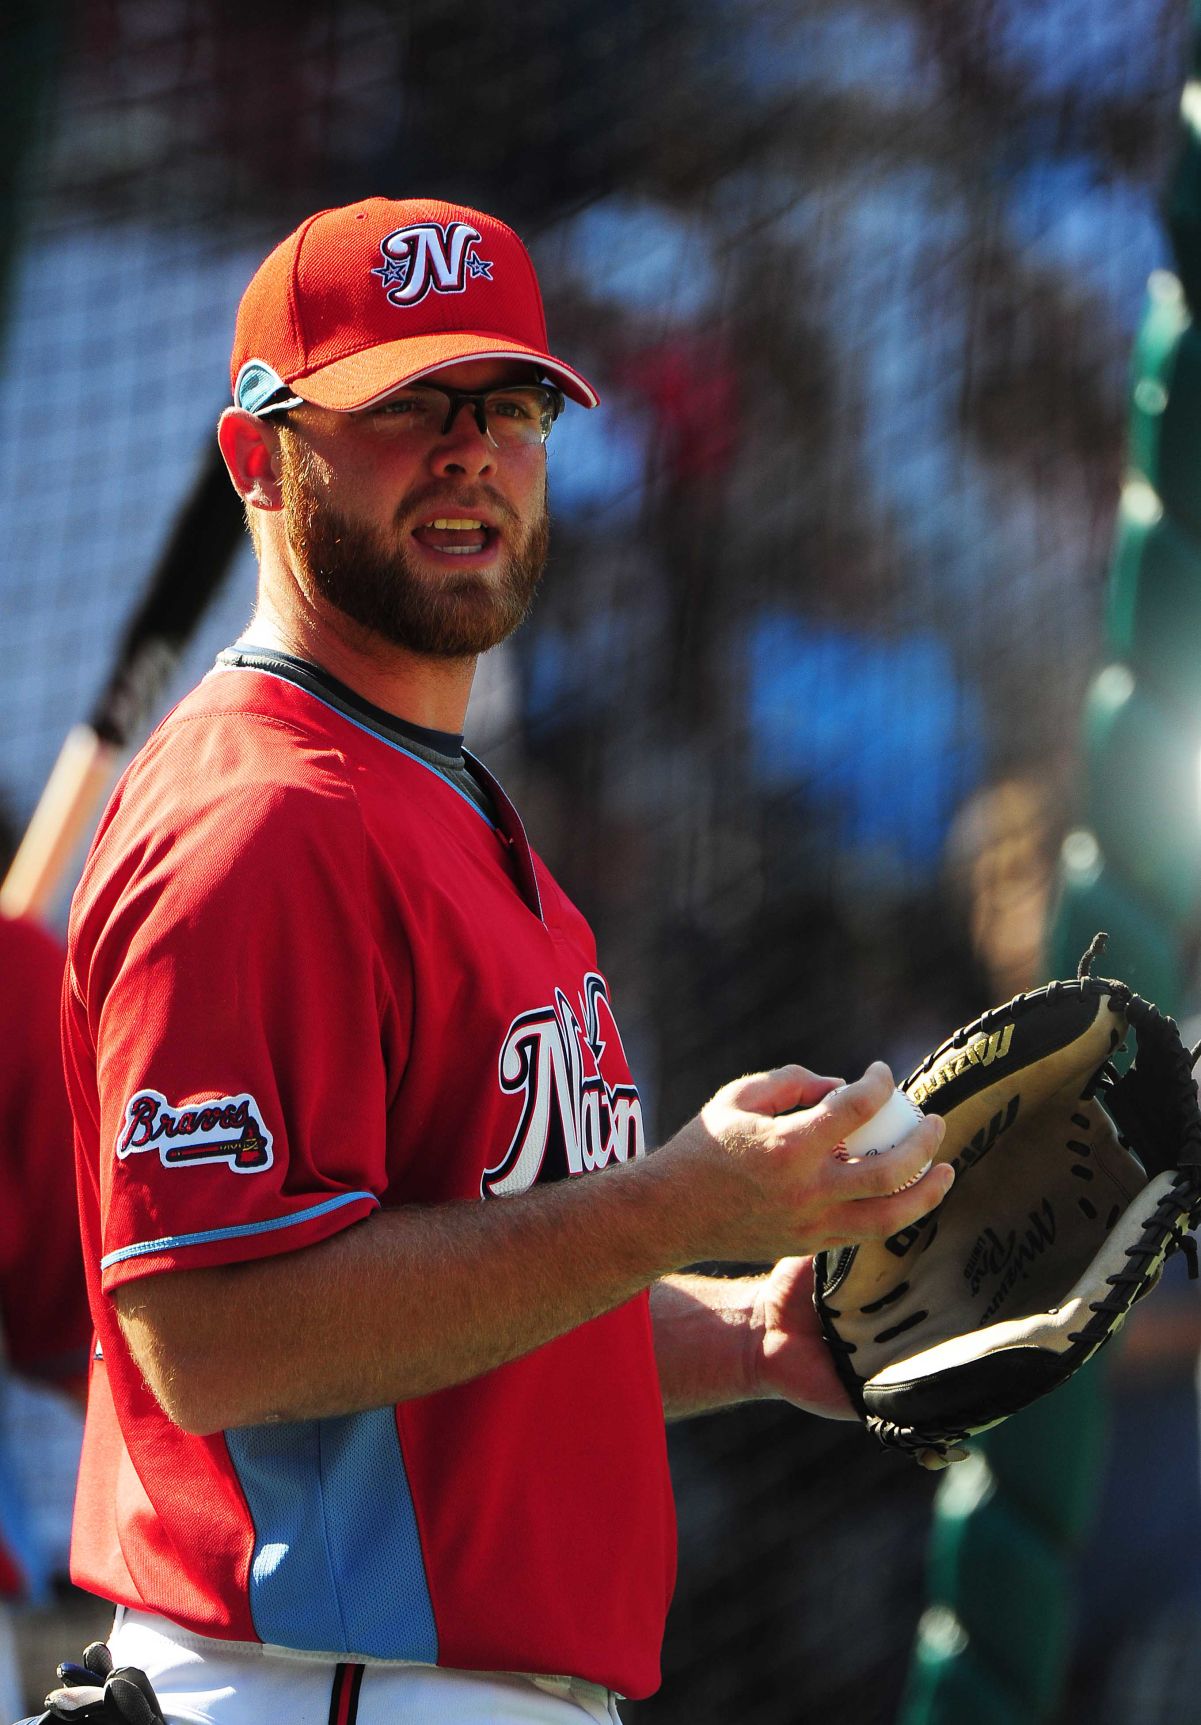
{"type": "Point", "coordinates": [1160, 1047]}
{"type": "Point", "coordinates": [1164, 1233]}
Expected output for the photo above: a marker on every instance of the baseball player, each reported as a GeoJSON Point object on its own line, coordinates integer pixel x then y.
{"type": "Point", "coordinates": [384, 1280]}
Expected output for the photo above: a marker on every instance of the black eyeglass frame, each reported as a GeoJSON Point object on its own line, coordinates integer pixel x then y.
{"type": "Point", "coordinates": [477, 399]}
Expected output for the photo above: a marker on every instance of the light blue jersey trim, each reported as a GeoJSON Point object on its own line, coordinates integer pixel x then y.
{"type": "Point", "coordinates": [367, 730]}
{"type": "Point", "coordinates": [169, 1242]}
{"type": "Point", "coordinates": [337, 1556]}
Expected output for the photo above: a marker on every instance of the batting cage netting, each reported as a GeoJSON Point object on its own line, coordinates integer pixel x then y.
{"type": "Point", "coordinates": [796, 721]}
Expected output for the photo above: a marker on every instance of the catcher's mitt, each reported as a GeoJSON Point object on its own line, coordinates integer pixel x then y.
{"type": "Point", "coordinates": [1072, 1186]}
{"type": "Point", "coordinates": [94, 1694]}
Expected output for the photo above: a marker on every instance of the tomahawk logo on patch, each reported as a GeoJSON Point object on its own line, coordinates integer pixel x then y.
{"type": "Point", "coordinates": [226, 1129]}
{"type": "Point", "coordinates": [428, 257]}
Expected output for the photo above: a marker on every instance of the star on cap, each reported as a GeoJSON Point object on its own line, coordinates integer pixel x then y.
{"type": "Point", "coordinates": [393, 271]}
{"type": "Point", "coordinates": [478, 267]}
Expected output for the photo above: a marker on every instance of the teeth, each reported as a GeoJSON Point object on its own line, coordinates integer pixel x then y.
{"type": "Point", "coordinates": [454, 523]}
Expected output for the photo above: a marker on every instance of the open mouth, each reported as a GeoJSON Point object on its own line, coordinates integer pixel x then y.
{"type": "Point", "coordinates": [457, 535]}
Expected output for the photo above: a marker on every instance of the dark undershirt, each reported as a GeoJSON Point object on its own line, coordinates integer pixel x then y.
{"type": "Point", "coordinates": [441, 750]}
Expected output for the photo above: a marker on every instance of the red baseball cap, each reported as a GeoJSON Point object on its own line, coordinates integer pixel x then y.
{"type": "Point", "coordinates": [366, 298]}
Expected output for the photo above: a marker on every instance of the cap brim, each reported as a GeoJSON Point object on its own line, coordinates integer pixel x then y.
{"type": "Point", "coordinates": [362, 379]}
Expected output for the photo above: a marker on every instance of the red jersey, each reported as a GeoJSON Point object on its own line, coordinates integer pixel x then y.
{"type": "Point", "coordinates": [309, 977]}
{"type": "Point", "coordinates": [44, 1317]}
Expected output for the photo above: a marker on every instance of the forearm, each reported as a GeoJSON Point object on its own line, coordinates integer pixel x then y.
{"type": "Point", "coordinates": [417, 1299]}
{"type": "Point", "coordinates": [722, 1341]}
{"type": "Point", "coordinates": [708, 1341]}
{"type": "Point", "coordinates": [402, 1304]}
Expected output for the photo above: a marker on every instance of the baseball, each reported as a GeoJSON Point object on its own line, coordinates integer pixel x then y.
{"type": "Point", "coordinates": [883, 1132]}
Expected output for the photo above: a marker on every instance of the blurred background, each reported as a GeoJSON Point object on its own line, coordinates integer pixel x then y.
{"type": "Point", "coordinates": [797, 719]}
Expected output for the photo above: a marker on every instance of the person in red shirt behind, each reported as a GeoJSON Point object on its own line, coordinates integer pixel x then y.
{"type": "Point", "coordinates": [44, 1323]}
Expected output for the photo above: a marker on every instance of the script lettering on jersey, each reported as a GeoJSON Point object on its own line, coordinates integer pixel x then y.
{"type": "Point", "coordinates": [428, 256]}
{"type": "Point", "coordinates": [572, 1119]}
{"type": "Point", "coordinates": [226, 1129]}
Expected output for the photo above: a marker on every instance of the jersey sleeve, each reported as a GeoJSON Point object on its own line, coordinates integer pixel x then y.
{"type": "Point", "coordinates": [233, 994]}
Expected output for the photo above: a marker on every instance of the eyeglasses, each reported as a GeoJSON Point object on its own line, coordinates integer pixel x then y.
{"type": "Point", "coordinates": [508, 416]}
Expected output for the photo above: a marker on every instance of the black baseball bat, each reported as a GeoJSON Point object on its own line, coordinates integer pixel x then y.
{"type": "Point", "coordinates": [193, 564]}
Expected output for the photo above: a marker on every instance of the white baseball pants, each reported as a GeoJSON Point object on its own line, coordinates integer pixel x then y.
{"type": "Point", "coordinates": [205, 1682]}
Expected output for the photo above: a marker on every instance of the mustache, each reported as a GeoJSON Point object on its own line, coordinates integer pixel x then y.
{"type": "Point", "coordinates": [458, 501]}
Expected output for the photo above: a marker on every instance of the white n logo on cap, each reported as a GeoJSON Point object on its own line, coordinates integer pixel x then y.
{"type": "Point", "coordinates": [428, 256]}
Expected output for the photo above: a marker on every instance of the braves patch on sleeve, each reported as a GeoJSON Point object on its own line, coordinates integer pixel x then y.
{"type": "Point", "coordinates": [227, 1129]}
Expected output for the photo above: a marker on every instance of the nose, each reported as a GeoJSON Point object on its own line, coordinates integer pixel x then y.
{"type": "Point", "coordinates": [464, 451]}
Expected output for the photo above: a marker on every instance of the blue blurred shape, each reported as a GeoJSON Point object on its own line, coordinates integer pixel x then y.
{"type": "Point", "coordinates": [878, 733]}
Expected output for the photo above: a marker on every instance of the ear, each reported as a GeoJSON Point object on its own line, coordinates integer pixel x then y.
{"type": "Point", "coordinates": [251, 450]}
